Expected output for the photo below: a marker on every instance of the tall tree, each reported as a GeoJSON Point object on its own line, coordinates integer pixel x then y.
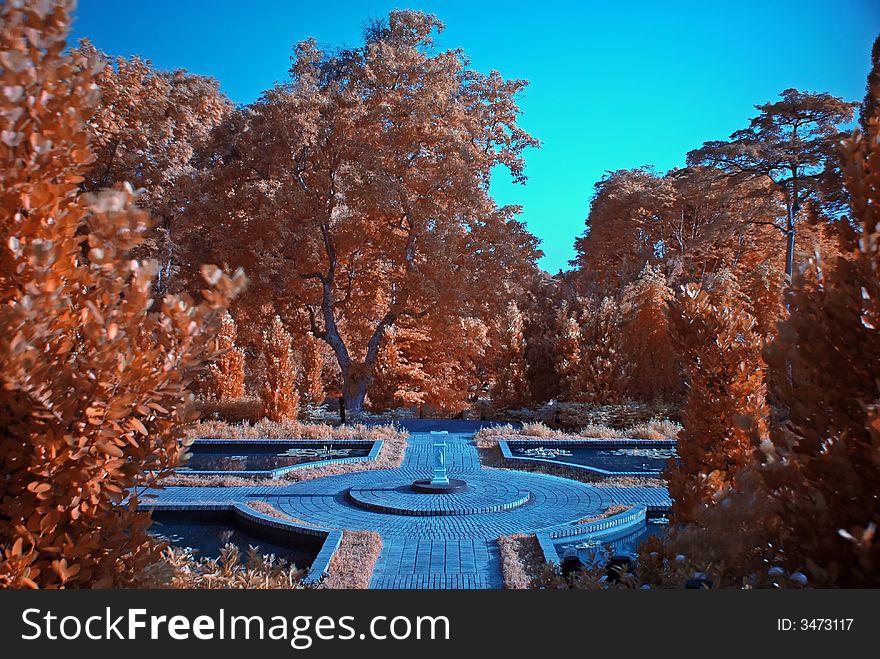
{"type": "Point", "coordinates": [647, 340]}
{"type": "Point", "coordinates": [145, 131]}
{"type": "Point", "coordinates": [511, 386]}
{"type": "Point", "coordinates": [869, 105]}
{"type": "Point", "coordinates": [279, 393]}
{"type": "Point", "coordinates": [358, 192]}
{"type": "Point", "coordinates": [618, 240]}
{"type": "Point", "coordinates": [790, 142]}
{"type": "Point", "coordinates": [721, 354]}
{"type": "Point", "coordinates": [689, 221]}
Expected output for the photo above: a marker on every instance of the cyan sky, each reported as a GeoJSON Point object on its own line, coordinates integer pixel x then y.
{"type": "Point", "coordinates": [612, 84]}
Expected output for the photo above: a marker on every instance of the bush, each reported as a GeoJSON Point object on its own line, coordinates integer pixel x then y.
{"type": "Point", "coordinates": [823, 465]}
{"type": "Point", "coordinates": [94, 370]}
{"type": "Point", "coordinates": [721, 354]}
{"type": "Point", "coordinates": [225, 379]}
{"type": "Point", "coordinates": [279, 393]}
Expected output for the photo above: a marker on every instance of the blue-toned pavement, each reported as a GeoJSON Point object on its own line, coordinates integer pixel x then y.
{"type": "Point", "coordinates": [433, 541]}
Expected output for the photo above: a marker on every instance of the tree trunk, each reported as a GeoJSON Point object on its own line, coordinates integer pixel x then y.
{"type": "Point", "coordinates": [792, 206]}
{"type": "Point", "coordinates": [354, 391]}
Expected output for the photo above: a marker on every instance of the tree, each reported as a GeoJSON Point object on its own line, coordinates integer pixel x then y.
{"type": "Point", "coordinates": [591, 365]}
{"type": "Point", "coordinates": [647, 340]}
{"type": "Point", "coordinates": [618, 241]}
{"type": "Point", "coordinates": [145, 131]}
{"type": "Point", "coordinates": [721, 354]}
{"type": "Point", "coordinates": [279, 393]}
{"type": "Point", "coordinates": [690, 221]}
{"type": "Point", "coordinates": [511, 386]}
{"type": "Point", "coordinates": [791, 143]}
{"type": "Point", "coordinates": [568, 355]}
{"type": "Point", "coordinates": [357, 192]}
{"type": "Point", "coordinates": [95, 373]}
{"type": "Point", "coordinates": [539, 305]}
{"type": "Point", "coordinates": [823, 465]}
{"type": "Point", "coordinates": [435, 371]}
{"type": "Point", "coordinates": [312, 380]}
{"type": "Point", "coordinates": [225, 379]}
{"type": "Point", "coordinates": [869, 105]}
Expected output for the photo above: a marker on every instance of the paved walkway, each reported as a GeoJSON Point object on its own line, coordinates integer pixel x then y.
{"type": "Point", "coordinates": [453, 550]}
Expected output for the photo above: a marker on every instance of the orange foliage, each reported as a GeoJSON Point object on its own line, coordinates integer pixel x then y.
{"type": "Point", "coordinates": [94, 374]}
{"type": "Point", "coordinates": [146, 131]}
{"type": "Point", "coordinates": [225, 377]}
{"type": "Point", "coordinates": [721, 354]}
{"type": "Point", "coordinates": [511, 386]}
{"type": "Point", "coordinates": [312, 376]}
{"type": "Point", "coordinates": [356, 195]}
{"type": "Point", "coordinates": [279, 393]}
{"type": "Point", "coordinates": [591, 366]}
{"type": "Point", "coordinates": [646, 338]}
{"type": "Point", "coordinates": [824, 463]}
{"type": "Point", "coordinates": [437, 372]}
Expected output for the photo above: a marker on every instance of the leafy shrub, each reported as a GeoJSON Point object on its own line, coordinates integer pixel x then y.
{"type": "Point", "coordinates": [823, 465]}
{"type": "Point", "coordinates": [225, 379]}
{"type": "Point", "coordinates": [721, 354]}
{"type": "Point", "coordinates": [94, 370]}
{"type": "Point", "coordinates": [279, 393]}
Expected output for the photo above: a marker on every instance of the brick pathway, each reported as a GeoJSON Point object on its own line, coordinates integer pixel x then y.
{"type": "Point", "coordinates": [432, 551]}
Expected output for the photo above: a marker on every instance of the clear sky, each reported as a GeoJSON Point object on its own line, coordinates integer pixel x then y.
{"type": "Point", "coordinates": [613, 84]}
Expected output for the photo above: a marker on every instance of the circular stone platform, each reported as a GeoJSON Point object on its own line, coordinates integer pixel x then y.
{"type": "Point", "coordinates": [326, 502]}
{"type": "Point", "coordinates": [480, 497]}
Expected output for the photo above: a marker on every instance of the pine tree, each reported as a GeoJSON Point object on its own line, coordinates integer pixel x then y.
{"type": "Point", "coordinates": [511, 386]}
{"type": "Point", "coordinates": [279, 393]}
{"type": "Point", "coordinates": [226, 375]}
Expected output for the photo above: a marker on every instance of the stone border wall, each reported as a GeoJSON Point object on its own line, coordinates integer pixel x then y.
{"type": "Point", "coordinates": [321, 563]}
{"type": "Point", "coordinates": [625, 523]}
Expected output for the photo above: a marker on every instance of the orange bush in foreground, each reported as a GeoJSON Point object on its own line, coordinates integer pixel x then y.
{"type": "Point", "coordinates": [94, 375]}
{"type": "Point", "coordinates": [824, 463]}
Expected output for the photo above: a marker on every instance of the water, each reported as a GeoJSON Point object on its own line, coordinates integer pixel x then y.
{"type": "Point", "coordinates": [631, 459]}
{"type": "Point", "coordinates": [241, 456]}
{"type": "Point", "coordinates": [206, 532]}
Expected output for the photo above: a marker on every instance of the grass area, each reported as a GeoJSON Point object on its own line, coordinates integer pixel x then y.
{"type": "Point", "coordinates": [266, 429]}
{"type": "Point", "coordinates": [616, 509]}
{"type": "Point", "coordinates": [268, 509]}
{"type": "Point", "coordinates": [352, 565]}
{"type": "Point", "coordinates": [490, 454]}
{"type": "Point", "coordinates": [522, 560]}
{"type": "Point", "coordinates": [656, 428]}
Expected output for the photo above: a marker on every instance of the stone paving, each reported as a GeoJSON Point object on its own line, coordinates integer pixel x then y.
{"type": "Point", "coordinates": [432, 541]}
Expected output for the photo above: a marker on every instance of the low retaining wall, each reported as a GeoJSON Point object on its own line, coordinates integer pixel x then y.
{"type": "Point", "coordinates": [612, 527]}
{"type": "Point", "coordinates": [329, 539]}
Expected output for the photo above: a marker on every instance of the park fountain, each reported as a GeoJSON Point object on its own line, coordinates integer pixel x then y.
{"type": "Point", "coordinates": [439, 483]}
